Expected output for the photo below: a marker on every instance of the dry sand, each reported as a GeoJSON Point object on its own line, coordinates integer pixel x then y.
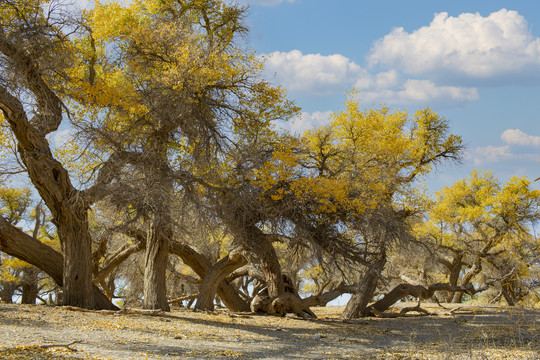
{"type": "Point", "coordinates": [467, 333]}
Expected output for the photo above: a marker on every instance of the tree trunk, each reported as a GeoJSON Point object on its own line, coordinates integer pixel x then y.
{"type": "Point", "coordinates": [30, 288]}
{"type": "Point", "coordinates": [455, 270]}
{"type": "Point", "coordinates": [7, 292]}
{"type": "Point", "coordinates": [77, 261]}
{"type": "Point", "coordinates": [52, 181]}
{"type": "Point", "coordinates": [216, 274]}
{"type": "Point", "coordinates": [155, 266]}
{"type": "Point", "coordinates": [359, 301]}
{"type": "Point", "coordinates": [22, 246]}
{"type": "Point", "coordinates": [476, 267]}
{"type": "Point", "coordinates": [261, 246]}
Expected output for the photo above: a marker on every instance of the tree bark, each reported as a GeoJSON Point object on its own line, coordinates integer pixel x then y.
{"type": "Point", "coordinates": [7, 292]}
{"type": "Point", "coordinates": [54, 186]}
{"type": "Point", "coordinates": [215, 276]}
{"type": "Point", "coordinates": [23, 246]}
{"type": "Point", "coordinates": [455, 270]}
{"type": "Point", "coordinates": [359, 301]}
{"type": "Point", "coordinates": [155, 266]}
{"type": "Point", "coordinates": [30, 288]}
{"type": "Point", "coordinates": [292, 303]}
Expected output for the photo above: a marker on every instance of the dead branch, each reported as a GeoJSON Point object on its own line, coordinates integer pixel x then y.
{"type": "Point", "coordinates": [67, 346]}
{"type": "Point", "coordinates": [182, 298]}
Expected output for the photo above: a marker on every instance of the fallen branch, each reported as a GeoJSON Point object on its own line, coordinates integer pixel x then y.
{"type": "Point", "coordinates": [67, 346]}
{"type": "Point", "coordinates": [182, 298]}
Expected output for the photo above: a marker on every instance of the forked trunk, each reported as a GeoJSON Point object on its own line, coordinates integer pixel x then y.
{"type": "Point", "coordinates": [455, 270]}
{"type": "Point", "coordinates": [201, 265]}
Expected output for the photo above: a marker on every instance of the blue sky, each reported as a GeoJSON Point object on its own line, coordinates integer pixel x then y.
{"type": "Point", "coordinates": [477, 63]}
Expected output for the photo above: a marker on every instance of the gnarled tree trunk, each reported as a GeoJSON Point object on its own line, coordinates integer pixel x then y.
{"type": "Point", "coordinates": [417, 291]}
{"type": "Point", "coordinates": [215, 276]}
{"type": "Point", "coordinates": [201, 265]}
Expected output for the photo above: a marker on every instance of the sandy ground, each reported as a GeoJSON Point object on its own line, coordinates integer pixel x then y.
{"type": "Point", "coordinates": [467, 333]}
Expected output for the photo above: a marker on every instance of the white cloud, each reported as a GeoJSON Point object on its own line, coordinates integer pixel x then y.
{"type": "Point", "coordinates": [489, 154]}
{"type": "Point", "coordinates": [314, 73]}
{"type": "Point", "coordinates": [518, 137]}
{"type": "Point", "coordinates": [420, 92]}
{"type": "Point", "coordinates": [494, 47]}
{"type": "Point", "coordinates": [318, 74]}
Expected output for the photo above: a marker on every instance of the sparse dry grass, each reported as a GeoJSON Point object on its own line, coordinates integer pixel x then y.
{"type": "Point", "coordinates": [471, 332]}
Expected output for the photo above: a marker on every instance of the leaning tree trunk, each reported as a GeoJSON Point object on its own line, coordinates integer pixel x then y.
{"type": "Point", "coordinates": [17, 243]}
{"type": "Point", "coordinates": [475, 269]}
{"type": "Point", "coordinates": [48, 175]}
{"type": "Point", "coordinates": [417, 291]}
{"type": "Point", "coordinates": [359, 301]}
{"type": "Point", "coordinates": [217, 274]}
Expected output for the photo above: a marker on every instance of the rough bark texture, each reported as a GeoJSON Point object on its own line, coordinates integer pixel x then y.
{"type": "Point", "coordinates": [155, 267]}
{"type": "Point", "coordinates": [215, 276]}
{"type": "Point", "coordinates": [359, 300]}
{"type": "Point", "coordinates": [7, 292]}
{"type": "Point", "coordinates": [455, 270]}
{"type": "Point", "coordinates": [22, 246]}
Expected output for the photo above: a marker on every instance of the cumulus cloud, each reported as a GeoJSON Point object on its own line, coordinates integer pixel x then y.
{"type": "Point", "coordinates": [318, 74]}
{"type": "Point", "coordinates": [313, 73]}
{"type": "Point", "coordinates": [518, 137]}
{"type": "Point", "coordinates": [494, 47]}
{"type": "Point", "coordinates": [420, 92]}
